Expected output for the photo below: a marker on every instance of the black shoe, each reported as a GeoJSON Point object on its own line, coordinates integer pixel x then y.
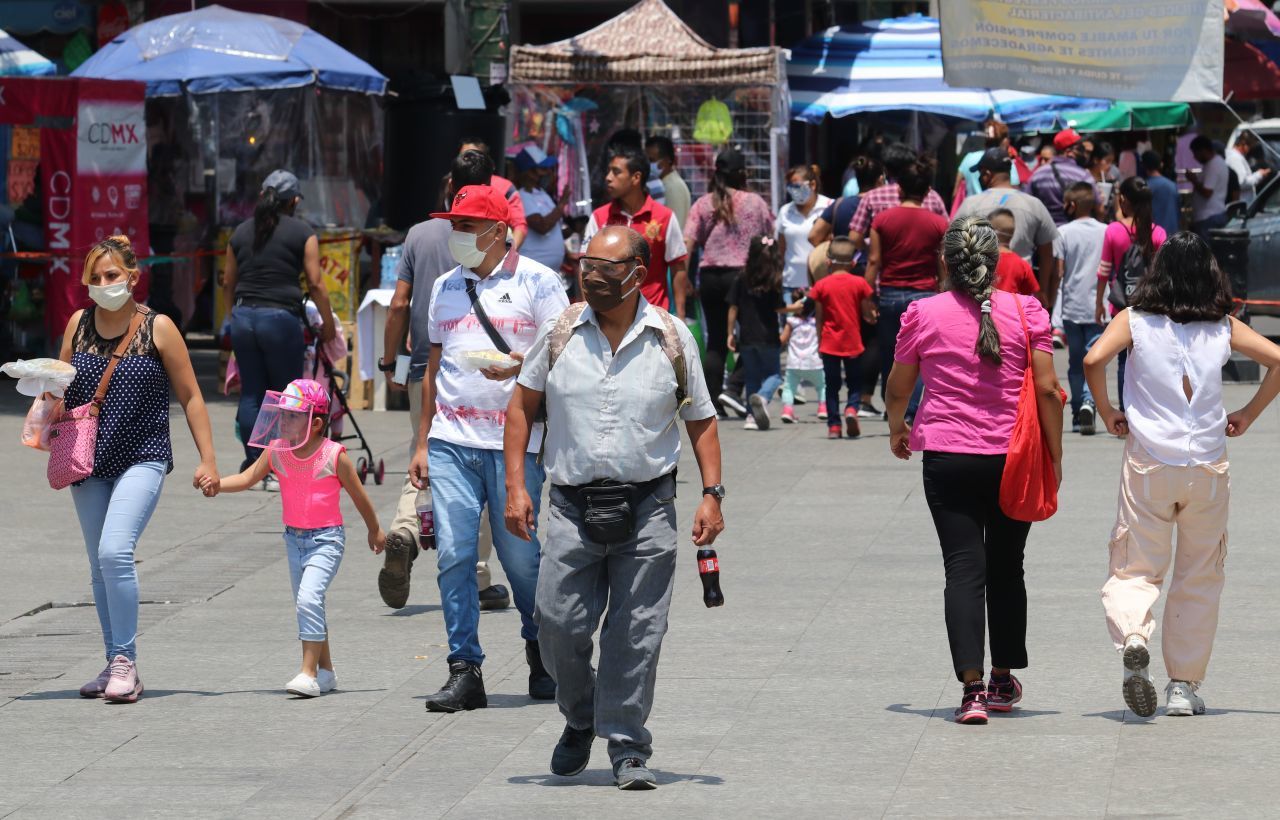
{"type": "Point", "coordinates": [541, 686]}
{"type": "Point", "coordinates": [630, 774]}
{"type": "Point", "coordinates": [573, 752]}
{"type": "Point", "coordinates": [495, 597]}
{"type": "Point", "coordinates": [393, 580]}
{"type": "Point", "coordinates": [463, 690]}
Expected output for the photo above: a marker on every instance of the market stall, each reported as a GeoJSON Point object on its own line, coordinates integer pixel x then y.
{"type": "Point", "coordinates": [231, 97]}
{"type": "Point", "coordinates": [645, 69]}
{"type": "Point", "coordinates": [75, 172]}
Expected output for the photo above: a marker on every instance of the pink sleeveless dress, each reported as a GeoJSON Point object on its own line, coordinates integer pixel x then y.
{"type": "Point", "coordinates": [310, 491]}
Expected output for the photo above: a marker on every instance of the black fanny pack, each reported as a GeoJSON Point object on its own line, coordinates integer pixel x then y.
{"type": "Point", "coordinates": [609, 509]}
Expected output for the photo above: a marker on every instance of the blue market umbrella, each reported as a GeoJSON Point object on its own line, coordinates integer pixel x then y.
{"type": "Point", "coordinates": [16, 60]}
{"type": "Point", "coordinates": [216, 49]}
{"type": "Point", "coordinates": [896, 65]}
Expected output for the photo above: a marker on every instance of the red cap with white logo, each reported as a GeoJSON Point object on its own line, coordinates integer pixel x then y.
{"type": "Point", "coordinates": [477, 202]}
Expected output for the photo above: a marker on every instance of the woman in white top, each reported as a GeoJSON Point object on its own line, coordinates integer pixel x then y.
{"type": "Point", "coordinates": [1180, 333]}
{"type": "Point", "coordinates": [795, 220]}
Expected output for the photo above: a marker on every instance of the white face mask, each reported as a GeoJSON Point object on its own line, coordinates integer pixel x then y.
{"type": "Point", "coordinates": [462, 246]}
{"type": "Point", "coordinates": [110, 297]}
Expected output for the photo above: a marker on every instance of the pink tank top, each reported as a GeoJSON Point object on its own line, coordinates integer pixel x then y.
{"type": "Point", "coordinates": [310, 491]}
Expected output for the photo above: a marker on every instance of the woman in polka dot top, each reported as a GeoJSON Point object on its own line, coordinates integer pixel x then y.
{"type": "Point", "coordinates": [133, 452]}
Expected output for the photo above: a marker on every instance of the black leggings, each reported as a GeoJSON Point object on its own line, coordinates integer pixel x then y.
{"type": "Point", "coordinates": [982, 552]}
{"type": "Point", "coordinates": [713, 291]}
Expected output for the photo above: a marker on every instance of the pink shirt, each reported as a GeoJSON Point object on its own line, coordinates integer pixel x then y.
{"type": "Point", "coordinates": [969, 403]}
{"type": "Point", "coordinates": [724, 245]}
{"type": "Point", "coordinates": [310, 491]}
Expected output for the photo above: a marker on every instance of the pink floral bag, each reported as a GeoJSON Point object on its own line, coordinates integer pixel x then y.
{"type": "Point", "coordinates": [74, 436]}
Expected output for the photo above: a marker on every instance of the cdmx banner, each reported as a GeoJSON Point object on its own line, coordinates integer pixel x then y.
{"type": "Point", "coordinates": [1135, 50]}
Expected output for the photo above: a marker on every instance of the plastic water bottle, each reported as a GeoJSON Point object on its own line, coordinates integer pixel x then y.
{"type": "Point", "coordinates": [390, 262]}
{"type": "Point", "coordinates": [426, 520]}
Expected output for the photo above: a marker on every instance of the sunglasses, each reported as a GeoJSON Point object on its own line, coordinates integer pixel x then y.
{"type": "Point", "coordinates": [607, 267]}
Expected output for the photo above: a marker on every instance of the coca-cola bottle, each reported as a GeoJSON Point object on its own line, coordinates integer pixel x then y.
{"type": "Point", "coordinates": [709, 572]}
{"type": "Point", "coordinates": [426, 520]}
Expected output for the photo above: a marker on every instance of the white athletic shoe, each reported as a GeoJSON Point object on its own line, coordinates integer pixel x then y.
{"type": "Point", "coordinates": [760, 412]}
{"type": "Point", "coordinates": [750, 424]}
{"type": "Point", "coordinates": [327, 680]}
{"type": "Point", "coordinates": [1181, 699]}
{"type": "Point", "coordinates": [304, 686]}
{"type": "Point", "coordinates": [1138, 687]}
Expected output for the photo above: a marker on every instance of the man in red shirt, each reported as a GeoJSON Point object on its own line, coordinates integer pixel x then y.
{"type": "Point", "coordinates": [508, 189]}
{"type": "Point", "coordinates": [844, 303]}
{"type": "Point", "coordinates": [631, 206]}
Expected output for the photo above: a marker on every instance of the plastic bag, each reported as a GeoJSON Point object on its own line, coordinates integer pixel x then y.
{"type": "Point", "coordinates": [39, 376]}
{"type": "Point", "coordinates": [39, 419]}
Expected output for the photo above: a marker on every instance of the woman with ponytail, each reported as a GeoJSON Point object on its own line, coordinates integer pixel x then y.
{"type": "Point", "coordinates": [968, 345]}
{"type": "Point", "coordinates": [1135, 226]}
{"type": "Point", "coordinates": [721, 226]}
{"type": "Point", "coordinates": [266, 257]}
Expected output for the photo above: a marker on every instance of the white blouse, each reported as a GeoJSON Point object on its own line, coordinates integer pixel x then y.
{"type": "Point", "coordinates": [1174, 429]}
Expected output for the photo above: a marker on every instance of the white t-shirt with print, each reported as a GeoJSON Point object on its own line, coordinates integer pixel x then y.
{"type": "Point", "coordinates": [802, 348]}
{"type": "Point", "coordinates": [519, 297]}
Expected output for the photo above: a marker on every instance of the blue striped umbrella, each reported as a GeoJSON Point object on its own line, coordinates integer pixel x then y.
{"type": "Point", "coordinates": [896, 65]}
{"type": "Point", "coordinates": [16, 60]}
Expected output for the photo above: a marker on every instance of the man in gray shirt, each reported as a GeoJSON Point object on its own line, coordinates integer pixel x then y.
{"type": "Point", "coordinates": [426, 258]}
{"type": "Point", "coordinates": [629, 372]}
{"type": "Point", "coordinates": [1033, 231]}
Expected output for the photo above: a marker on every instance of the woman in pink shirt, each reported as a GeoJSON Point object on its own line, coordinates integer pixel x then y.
{"type": "Point", "coordinates": [1135, 225]}
{"type": "Point", "coordinates": [968, 345]}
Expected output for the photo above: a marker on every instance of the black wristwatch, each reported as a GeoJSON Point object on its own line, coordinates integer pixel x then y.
{"type": "Point", "coordinates": [716, 490]}
{"type": "Point", "coordinates": [387, 368]}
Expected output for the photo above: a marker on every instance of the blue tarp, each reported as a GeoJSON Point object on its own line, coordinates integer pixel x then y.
{"type": "Point", "coordinates": [216, 49]}
{"type": "Point", "coordinates": [16, 60]}
{"type": "Point", "coordinates": [896, 65]}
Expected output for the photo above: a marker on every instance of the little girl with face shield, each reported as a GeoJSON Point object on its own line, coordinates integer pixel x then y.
{"type": "Point", "coordinates": [311, 469]}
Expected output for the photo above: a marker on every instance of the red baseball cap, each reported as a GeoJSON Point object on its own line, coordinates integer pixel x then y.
{"type": "Point", "coordinates": [477, 202]}
{"type": "Point", "coordinates": [1065, 139]}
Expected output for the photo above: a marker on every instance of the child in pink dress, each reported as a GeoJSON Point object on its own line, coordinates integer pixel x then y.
{"type": "Point", "coordinates": [312, 471]}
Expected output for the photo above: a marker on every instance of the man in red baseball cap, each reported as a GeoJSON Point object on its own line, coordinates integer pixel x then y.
{"type": "Point", "coordinates": [1052, 179]}
{"type": "Point", "coordinates": [482, 318]}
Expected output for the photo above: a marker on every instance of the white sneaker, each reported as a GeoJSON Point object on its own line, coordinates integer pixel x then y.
{"type": "Point", "coordinates": [1138, 687]}
{"type": "Point", "coordinates": [327, 680]}
{"type": "Point", "coordinates": [271, 484]}
{"type": "Point", "coordinates": [1181, 699]}
{"type": "Point", "coordinates": [750, 424]}
{"type": "Point", "coordinates": [760, 411]}
{"type": "Point", "coordinates": [731, 402]}
{"type": "Point", "coordinates": [304, 686]}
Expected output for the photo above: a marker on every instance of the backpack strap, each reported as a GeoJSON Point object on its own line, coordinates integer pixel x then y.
{"type": "Point", "coordinates": [675, 354]}
{"type": "Point", "coordinates": [561, 331]}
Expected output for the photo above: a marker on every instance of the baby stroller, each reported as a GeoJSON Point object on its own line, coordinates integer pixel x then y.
{"type": "Point", "coordinates": [318, 365]}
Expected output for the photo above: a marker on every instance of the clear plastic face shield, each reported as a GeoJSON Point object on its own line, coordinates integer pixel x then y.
{"type": "Point", "coordinates": [284, 422]}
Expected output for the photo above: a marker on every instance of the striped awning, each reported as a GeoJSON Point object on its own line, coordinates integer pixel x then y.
{"type": "Point", "coordinates": [896, 65]}
{"type": "Point", "coordinates": [16, 60]}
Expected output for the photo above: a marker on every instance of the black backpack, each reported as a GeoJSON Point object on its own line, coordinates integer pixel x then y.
{"type": "Point", "coordinates": [1132, 268]}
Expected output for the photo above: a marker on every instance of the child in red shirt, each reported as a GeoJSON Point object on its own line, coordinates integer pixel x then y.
{"type": "Point", "coordinates": [844, 302]}
{"type": "Point", "coordinates": [1013, 273]}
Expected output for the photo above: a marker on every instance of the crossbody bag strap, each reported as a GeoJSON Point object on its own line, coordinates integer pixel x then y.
{"type": "Point", "coordinates": [1026, 329]}
{"type": "Point", "coordinates": [483, 317]}
{"type": "Point", "coordinates": [134, 326]}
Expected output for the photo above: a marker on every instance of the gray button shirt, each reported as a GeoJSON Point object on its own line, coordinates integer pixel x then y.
{"type": "Point", "coordinates": [613, 415]}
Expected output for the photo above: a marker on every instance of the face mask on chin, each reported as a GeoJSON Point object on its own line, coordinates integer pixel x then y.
{"type": "Point", "coordinates": [463, 249]}
{"type": "Point", "coordinates": [605, 293]}
{"type": "Point", "coordinates": [110, 297]}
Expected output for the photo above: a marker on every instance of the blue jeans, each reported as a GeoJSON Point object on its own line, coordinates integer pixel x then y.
{"type": "Point", "coordinates": [1080, 339]}
{"type": "Point", "coordinates": [893, 304]}
{"type": "Point", "coordinates": [837, 369]}
{"type": "Point", "coordinates": [314, 556]}
{"type": "Point", "coordinates": [269, 346]}
{"type": "Point", "coordinates": [463, 481]}
{"type": "Point", "coordinates": [763, 369]}
{"type": "Point", "coordinates": [113, 512]}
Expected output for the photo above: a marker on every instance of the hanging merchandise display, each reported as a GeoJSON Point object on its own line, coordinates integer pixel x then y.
{"type": "Point", "coordinates": [713, 125]}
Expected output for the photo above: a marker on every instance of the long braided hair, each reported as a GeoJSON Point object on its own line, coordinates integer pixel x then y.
{"type": "Point", "coordinates": [971, 251]}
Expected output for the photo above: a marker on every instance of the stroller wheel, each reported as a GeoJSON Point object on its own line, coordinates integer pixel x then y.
{"type": "Point", "coordinates": [380, 472]}
{"type": "Point", "coordinates": [362, 468]}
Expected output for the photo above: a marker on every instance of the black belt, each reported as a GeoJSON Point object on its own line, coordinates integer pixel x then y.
{"type": "Point", "coordinates": [573, 493]}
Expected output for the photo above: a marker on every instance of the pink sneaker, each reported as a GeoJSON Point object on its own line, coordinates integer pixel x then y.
{"type": "Point", "coordinates": [125, 686]}
{"type": "Point", "coordinates": [95, 687]}
{"type": "Point", "coordinates": [788, 415]}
